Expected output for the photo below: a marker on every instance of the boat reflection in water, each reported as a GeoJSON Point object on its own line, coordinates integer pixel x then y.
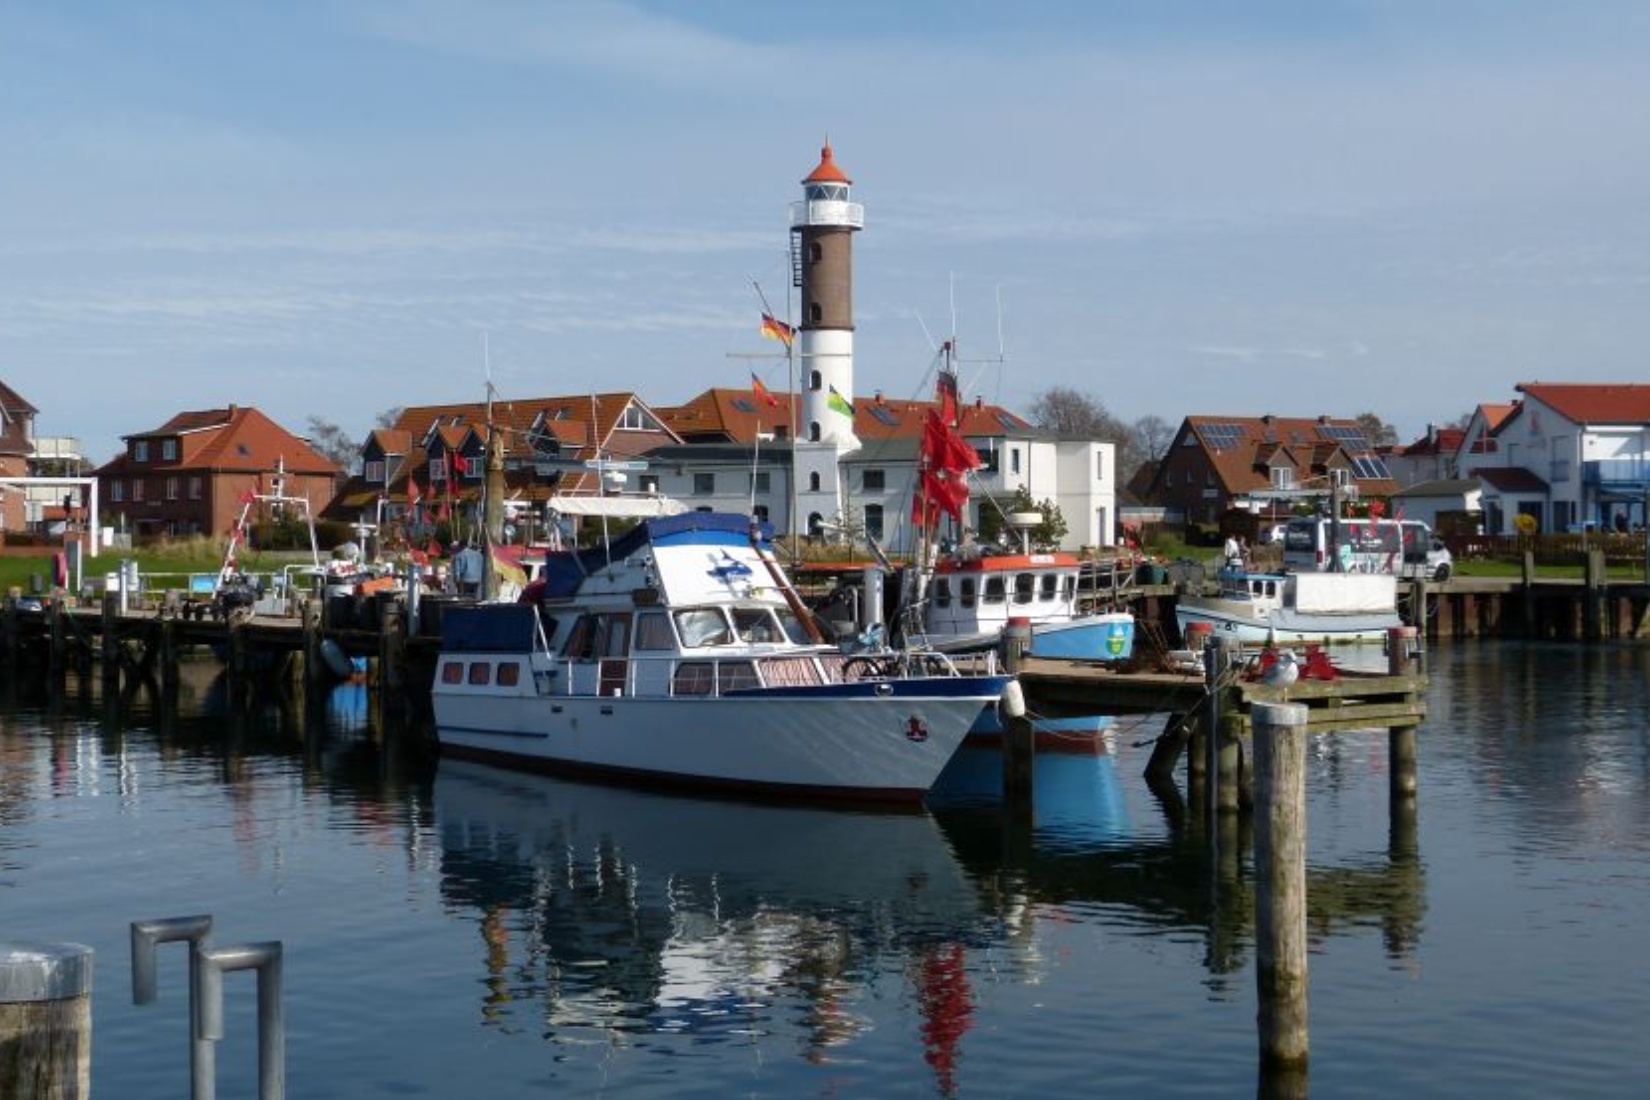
{"type": "Point", "coordinates": [605, 910]}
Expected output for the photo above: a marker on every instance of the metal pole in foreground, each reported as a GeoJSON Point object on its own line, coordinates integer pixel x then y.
{"type": "Point", "coordinates": [45, 1021]}
{"type": "Point", "coordinates": [147, 935]}
{"type": "Point", "coordinates": [265, 958]}
{"type": "Point", "coordinates": [1280, 886]}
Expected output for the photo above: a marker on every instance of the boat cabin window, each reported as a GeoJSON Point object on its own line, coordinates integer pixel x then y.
{"type": "Point", "coordinates": [1025, 585]}
{"type": "Point", "coordinates": [754, 624]}
{"type": "Point", "coordinates": [736, 675]}
{"type": "Point", "coordinates": [598, 636]}
{"type": "Point", "coordinates": [1048, 586]}
{"type": "Point", "coordinates": [693, 678]}
{"type": "Point", "coordinates": [968, 591]}
{"type": "Point", "coordinates": [942, 592]}
{"type": "Point", "coordinates": [1068, 586]}
{"type": "Point", "coordinates": [480, 673]}
{"type": "Point", "coordinates": [452, 672]}
{"type": "Point", "coordinates": [509, 674]}
{"type": "Point", "coordinates": [995, 590]}
{"type": "Point", "coordinates": [653, 632]}
{"type": "Point", "coordinates": [701, 626]}
{"type": "Point", "coordinates": [794, 630]}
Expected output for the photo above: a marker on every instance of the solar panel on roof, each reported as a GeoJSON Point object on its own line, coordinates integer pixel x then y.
{"type": "Point", "coordinates": [885, 415]}
{"type": "Point", "coordinates": [743, 405]}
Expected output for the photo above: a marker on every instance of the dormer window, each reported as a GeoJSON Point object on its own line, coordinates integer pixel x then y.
{"type": "Point", "coordinates": [1283, 477]}
{"type": "Point", "coordinates": [169, 450]}
{"type": "Point", "coordinates": [140, 451]}
{"type": "Point", "coordinates": [374, 471]}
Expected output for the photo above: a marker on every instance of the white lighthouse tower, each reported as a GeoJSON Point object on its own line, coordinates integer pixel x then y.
{"type": "Point", "coordinates": [823, 225]}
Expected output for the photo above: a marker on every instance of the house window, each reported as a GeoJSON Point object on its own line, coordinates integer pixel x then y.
{"type": "Point", "coordinates": [704, 484]}
{"type": "Point", "coordinates": [1014, 460]}
{"type": "Point", "coordinates": [169, 450]}
{"type": "Point", "coordinates": [140, 451]}
{"type": "Point", "coordinates": [873, 521]}
{"type": "Point", "coordinates": [438, 470]}
{"type": "Point", "coordinates": [648, 483]}
{"type": "Point", "coordinates": [760, 481]}
{"type": "Point", "coordinates": [374, 471]}
{"type": "Point", "coordinates": [875, 481]}
{"type": "Point", "coordinates": [117, 491]}
{"type": "Point", "coordinates": [195, 487]}
{"type": "Point", "coordinates": [1099, 465]}
{"type": "Point", "coordinates": [137, 489]}
{"type": "Point", "coordinates": [760, 513]}
{"type": "Point", "coordinates": [1283, 477]}
{"type": "Point", "coordinates": [171, 488]}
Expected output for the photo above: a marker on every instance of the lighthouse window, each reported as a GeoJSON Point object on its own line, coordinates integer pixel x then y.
{"type": "Point", "coordinates": [813, 431]}
{"type": "Point", "coordinates": [815, 313]}
{"type": "Point", "coordinates": [813, 481]}
{"type": "Point", "coordinates": [815, 252]}
{"type": "Point", "coordinates": [815, 381]}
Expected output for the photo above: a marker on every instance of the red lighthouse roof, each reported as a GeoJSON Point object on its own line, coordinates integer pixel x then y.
{"type": "Point", "coordinates": [827, 172]}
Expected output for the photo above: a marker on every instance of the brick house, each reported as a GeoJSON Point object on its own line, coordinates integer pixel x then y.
{"type": "Point", "coordinates": [16, 451]}
{"type": "Point", "coordinates": [190, 475]}
{"type": "Point", "coordinates": [429, 466]}
{"type": "Point", "coordinates": [1262, 463]}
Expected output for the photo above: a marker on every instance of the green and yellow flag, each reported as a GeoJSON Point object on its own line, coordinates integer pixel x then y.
{"type": "Point", "coordinates": [840, 403]}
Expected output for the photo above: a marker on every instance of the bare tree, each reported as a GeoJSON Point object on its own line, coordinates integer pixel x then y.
{"type": "Point", "coordinates": [389, 416]}
{"type": "Point", "coordinates": [1152, 436]}
{"type": "Point", "coordinates": [332, 441]}
{"type": "Point", "coordinates": [1377, 431]}
{"type": "Point", "coordinates": [1080, 416]}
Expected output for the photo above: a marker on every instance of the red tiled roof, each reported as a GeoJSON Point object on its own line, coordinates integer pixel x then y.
{"type": "Point", "coordinates": [1588, 403]}
{"type": "Point", "coordinates": [733, 416]}
{"type": "Point", "coordinates": [1243, 448]}
{"type": "Point", "coordinates": [11, 403]}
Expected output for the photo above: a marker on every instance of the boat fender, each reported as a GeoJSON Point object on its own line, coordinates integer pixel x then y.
{"type": "Point", "coordinates": [335, 657]}
{"type": "Point", "coordinates": [1012, 702]}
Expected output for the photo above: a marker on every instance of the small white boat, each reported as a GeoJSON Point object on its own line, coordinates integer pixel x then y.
{"type": "Point", "coordinates": [1294, 608]}
{"type": "Point", "coordinates": [970, 600]}
{"type": "Point", "coordinates": [679, 654]}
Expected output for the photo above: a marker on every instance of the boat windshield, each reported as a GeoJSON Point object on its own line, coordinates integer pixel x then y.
{"type": "Point", "coordinates": [755, 624]}
{"type": "Point", "coordinates": [702, 626]}
{"type": "Point", "coordinates": [794, 630]}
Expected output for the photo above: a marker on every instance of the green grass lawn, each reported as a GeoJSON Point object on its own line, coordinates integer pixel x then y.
{"type": "Point", "coordinates": [164, 568]}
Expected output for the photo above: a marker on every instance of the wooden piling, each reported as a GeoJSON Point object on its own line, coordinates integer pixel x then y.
{"type": "Point", "coordinates": [45, 1021]}
{"type": "Point", "coordinates": [1019, 747]}
{"type": "Point", "coordinates": [1280, 887]}
{"type": "Point", "coordinates": [1226, 744]}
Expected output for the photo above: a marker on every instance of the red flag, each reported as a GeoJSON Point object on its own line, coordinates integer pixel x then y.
{"type": "Point", "coordinates": [945, 392]}
{"type": "Point", "coordinates": [460, 465]}
{"type": "Point", "coordinates": [413, 492]}
{"type": "Point", "coordinates": [946, 460]}
{"type": "Point", "coordinates": [763, 392]}
{"type": "Point", "coordinates": [249, 497]}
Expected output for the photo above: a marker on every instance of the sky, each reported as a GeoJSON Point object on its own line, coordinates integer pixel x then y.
{"type": "Point", "coordinates": [334, 207]}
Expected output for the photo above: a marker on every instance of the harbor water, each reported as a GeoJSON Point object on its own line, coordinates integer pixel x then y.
{"type": "Point", "coordinates": [452, 930]}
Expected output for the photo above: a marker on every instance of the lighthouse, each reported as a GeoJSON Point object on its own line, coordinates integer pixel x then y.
{"type": "Point", "coordinates": [823, 225]}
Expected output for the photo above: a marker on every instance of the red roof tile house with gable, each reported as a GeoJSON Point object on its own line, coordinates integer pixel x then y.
{"type": "Point", "coordinates": [1565, 454]}
{"type": "Point", "coordinates": [1221, 462]}
{"type": "Point", "coordinates": [190, 475]}
{"type": "Point", "coordinates": [430, 466]}
{"type": "Point", "coordinates": [16, 449]}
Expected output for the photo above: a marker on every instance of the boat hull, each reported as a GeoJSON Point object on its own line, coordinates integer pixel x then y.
{"type": "Point", "coordinates": [1283, 627]}
{"type": "Point", "coordinates": [1107, 637]}
{"type": "Point", "coordinates": [880, 741]}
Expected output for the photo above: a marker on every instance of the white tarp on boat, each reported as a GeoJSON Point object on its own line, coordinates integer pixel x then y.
{"type": "Point", "coordinates": [1345, 593]}
{"type": "Point", "coordinates": [591, 505]}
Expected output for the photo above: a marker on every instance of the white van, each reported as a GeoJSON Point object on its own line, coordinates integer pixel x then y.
{"type": "Point", "coordinates": [1405, 547]}
{"type": "Point", "coordinates": [1425, 555]}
